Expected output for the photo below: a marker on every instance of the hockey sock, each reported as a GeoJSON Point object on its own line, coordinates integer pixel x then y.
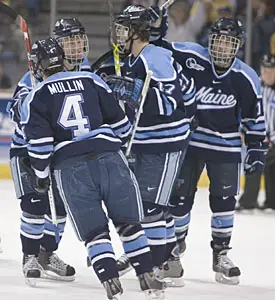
{"type": "Point", "coordinates": [136, 247]}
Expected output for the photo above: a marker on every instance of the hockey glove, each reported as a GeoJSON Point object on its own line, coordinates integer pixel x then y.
{"type": "Point", "coordinates": [159, 25]}
{"type": "Point", "coordinates": [126, 89]}
{"type": "Point", "coordinates": [40, 185]}
{"type": "Point", "coordinates": [255, 158]}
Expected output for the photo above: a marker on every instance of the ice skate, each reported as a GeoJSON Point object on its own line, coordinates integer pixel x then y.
{"type": "Point", "coordinates": [32, 270]}
{"type": "Point", "coordinates": [113, 288]}
{"type": "Point", "coordinates": [54, 268]}
{"type": "Point", "coordinates": [226, 271]}
{"type": "Point", "coordinates": [123, 265]}
{"type": "Point", "coordinates": [153, 288]}
{"type": "Point", "coordinates": [171, 272]}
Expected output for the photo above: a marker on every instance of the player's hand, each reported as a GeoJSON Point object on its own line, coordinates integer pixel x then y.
{"type": "Point", "coordinates": [126, 89]}
{"type": "Point", "coordinates": [255, 158]}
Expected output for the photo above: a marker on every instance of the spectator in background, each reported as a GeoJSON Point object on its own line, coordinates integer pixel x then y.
{"type": "Point", "coordinates": [214, 10]}
{"type": "Point", "coordinates": [185, 21]}
{"type": "Point", "coordinates": [263, 31]}
{"type": "Point", "coordinates": [5, 81]}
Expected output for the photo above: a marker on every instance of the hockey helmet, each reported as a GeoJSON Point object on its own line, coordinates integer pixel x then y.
{"type": "Point", "coordinates": [225, 39]}
{"type": "Point", "coordinates": [134, 21]}
{"type": "Point", "coordinates": [46, 57]}
{"type": "Point", "coordinates": [71, 36]}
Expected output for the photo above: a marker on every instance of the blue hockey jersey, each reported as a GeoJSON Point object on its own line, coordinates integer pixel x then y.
{"type": "Point", "coordinates": [18, 144]}
{"type": "Point", "coordinates": [224, 102]}
{"type": "Point", "coordinates": [164, 125]}
{"type": "Point", "coordinates": [68, 114]}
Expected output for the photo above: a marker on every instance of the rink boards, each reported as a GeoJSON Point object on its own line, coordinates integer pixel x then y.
{"type": "Point", "coordinates": [6, 131]}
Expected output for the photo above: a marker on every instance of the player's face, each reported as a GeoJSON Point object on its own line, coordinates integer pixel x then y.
{"type": "Point", "coordinates": [122, 35]}
{"type": "Point", "coordinates": [75, 48]}
{"type": "Point", "coordinates": [268, 75]}
{"type": "Point", "coordinates": [223, 49]}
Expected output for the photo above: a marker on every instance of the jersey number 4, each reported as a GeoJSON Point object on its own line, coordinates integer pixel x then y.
{"type": "Point", "coordinates": [71, 115]}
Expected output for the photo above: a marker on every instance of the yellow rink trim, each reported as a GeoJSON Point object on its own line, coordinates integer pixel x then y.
{"type": "Point", "coordinates": [204, 181]}
{"type": "Point", "coordinates": [5, 172]}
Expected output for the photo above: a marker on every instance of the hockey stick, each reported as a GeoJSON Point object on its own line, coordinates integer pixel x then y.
{"type": "Point", "coordinates": [167, 4]}
{"type": "Point", "coordinates": [138, 114]}
{"type": "Point", "coordinates": [20, 21]}
{"type": "Point", "coordinates": [53, 210]}
{"type": "Point", "coordinates": [114, 44]}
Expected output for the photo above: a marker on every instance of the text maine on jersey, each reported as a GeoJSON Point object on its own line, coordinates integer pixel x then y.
{"type": "Point", "coordinates": [66, 86]}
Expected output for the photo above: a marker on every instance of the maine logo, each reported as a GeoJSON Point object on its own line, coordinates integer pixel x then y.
{"type": "Point", "coordinates": [208, 99]}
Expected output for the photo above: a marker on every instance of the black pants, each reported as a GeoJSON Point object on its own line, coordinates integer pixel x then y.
{"type": "Point", "coordinates": [249, 198]}
{"type": "Point", "coordinates": [269, 173]}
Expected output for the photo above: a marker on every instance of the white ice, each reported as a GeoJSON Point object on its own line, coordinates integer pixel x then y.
{"type": "Point", "coordinates": [253, 251]}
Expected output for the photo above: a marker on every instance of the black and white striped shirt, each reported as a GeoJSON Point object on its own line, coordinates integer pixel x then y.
{"type": "Point", "coordinates": [269, 110]}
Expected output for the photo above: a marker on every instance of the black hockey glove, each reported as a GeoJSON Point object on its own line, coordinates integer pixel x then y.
{"type": "Point", "coordinates": [126, 89]}
{"type": "Point", "coordinates": [40, 185]}
{"type": "Point", "coordinates": [159, 25]}
{"type": "Point", "coordinates": [255, 158]}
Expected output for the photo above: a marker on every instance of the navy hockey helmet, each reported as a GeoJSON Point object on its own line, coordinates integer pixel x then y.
{"type": "Point", "coordinates": [46, 57]}
{"type": "Point", "coordinates": [225, 39]}
{"type": "Point", "coordinates": [71, 35]}
{"type": "Point", "coordinates": [132, 23]}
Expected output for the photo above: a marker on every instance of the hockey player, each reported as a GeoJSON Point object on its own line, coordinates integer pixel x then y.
{"type": "Point", "coordinates": [72, 36]}
{"type": "Point", "coordinates": [228, 94]}
{"type": "Point", "coordinates": [163, 129]}
{"type": "Point", "coordinates": [37, 231]}
{"type": "Point", "coordinates": [75, 127]}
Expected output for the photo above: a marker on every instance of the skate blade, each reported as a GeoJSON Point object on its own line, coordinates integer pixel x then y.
{"type": "Point", "coordinates": [123, 272]}
{"type": "Point", "coordinates": [31, 281]}
{"type": "Point", "coordinates": [52, 276]}
{"type": "Point", "coordinates": [154, 295]}
{"type": "Point", "coordinates": [221, 278]}
{"type": "Point", "coordinates": [174, 282]}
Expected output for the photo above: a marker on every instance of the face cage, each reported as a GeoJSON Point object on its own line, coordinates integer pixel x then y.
{"type": "Point", "coordinates": [223, 49]}
{"type": "Point", "coordinates": [75, 48]}
{"type": "Point", "coordinates": [122, 35]}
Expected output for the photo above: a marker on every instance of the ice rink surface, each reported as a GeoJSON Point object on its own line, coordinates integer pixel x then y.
{"type": "Point", "coordinates": [253, 251]}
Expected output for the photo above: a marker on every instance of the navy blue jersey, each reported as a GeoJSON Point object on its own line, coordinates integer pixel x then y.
{"type": "Point", "coordinates": [18, 144]}
{"type": "Point", "coordinates": [163, 125]}
{"type": "Point", "coordinates": [68, 114]}
{"type": "Point", "coordinates": [224, 102]}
